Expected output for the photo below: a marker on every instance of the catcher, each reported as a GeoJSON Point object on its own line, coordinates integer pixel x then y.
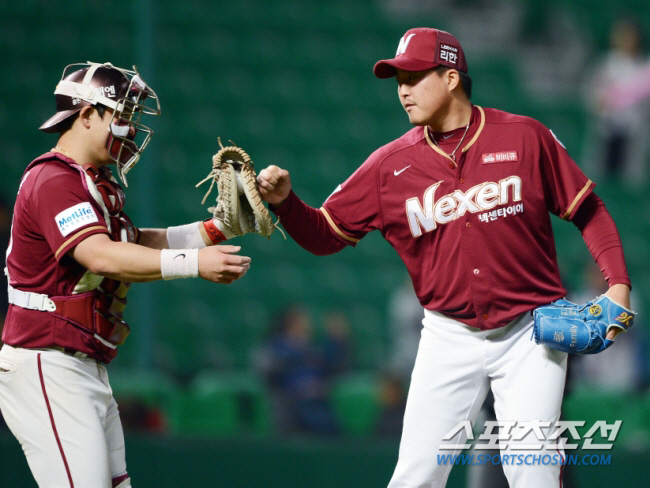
{"type": "Point", "coordinates": [72, 257]}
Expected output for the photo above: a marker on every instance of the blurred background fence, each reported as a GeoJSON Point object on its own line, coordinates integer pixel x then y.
{"type": "Point", "coordinates": [291, 81]}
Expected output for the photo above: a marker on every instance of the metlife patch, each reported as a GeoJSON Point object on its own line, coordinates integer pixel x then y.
{"type": "Point", "coordinates": [75, 217]}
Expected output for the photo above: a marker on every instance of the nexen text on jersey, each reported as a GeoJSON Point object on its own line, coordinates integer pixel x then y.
{"type": "Point", "coordinates": [448, 208]}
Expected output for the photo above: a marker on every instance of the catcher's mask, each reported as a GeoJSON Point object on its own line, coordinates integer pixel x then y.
{"type": "Point", "coordinates": [121, 90]}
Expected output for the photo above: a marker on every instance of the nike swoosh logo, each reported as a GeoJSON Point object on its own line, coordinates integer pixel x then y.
{"type": "Point", "coordinates": [397, 173]}
{"type": "Point", "coordinates": [179, 256]}
{"type": "Point", "coordinates": [447, 137]}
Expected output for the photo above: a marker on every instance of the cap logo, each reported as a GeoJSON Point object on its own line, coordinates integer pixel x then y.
{"type": "Point", "coordinates": [448, 53]}
{"type": "Point", "coordinates": [403, 44]}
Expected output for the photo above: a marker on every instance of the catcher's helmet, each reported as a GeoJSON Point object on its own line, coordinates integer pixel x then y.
{"type": "Point", "coordinates": [119, 89]}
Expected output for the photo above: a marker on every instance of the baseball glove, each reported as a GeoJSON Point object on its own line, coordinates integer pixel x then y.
{"type": "Point", "coordinates": [580, 329]}
{"type": "Point", "coordinates": [239, 204]}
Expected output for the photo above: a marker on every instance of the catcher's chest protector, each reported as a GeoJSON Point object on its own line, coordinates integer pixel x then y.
{"type": "Point", "coordinates": [96, 305]}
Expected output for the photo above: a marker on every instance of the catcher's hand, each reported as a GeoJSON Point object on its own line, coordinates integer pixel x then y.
{"type": "Point", "coordinates": [239, 206]}
{"type": "Point", "coordinates": [580, 329]}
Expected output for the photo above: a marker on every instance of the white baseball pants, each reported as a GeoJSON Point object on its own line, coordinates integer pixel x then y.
{"type": "Point", "coordinates": [455, 367]}
{"type": "Point", "coordinates": [62, 411]}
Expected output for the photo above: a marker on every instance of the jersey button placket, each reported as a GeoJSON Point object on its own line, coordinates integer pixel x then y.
{"type": "Point", "coordinates": [480, 286]}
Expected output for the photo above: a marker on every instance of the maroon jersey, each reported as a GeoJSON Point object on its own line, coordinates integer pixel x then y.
{"type": "Point", "coordinates": [475, 236]}
{"type": "Point", "coordinates": [54, 211]}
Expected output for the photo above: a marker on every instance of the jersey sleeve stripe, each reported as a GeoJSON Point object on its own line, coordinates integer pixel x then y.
{"type": "Point", "coordinates": [335, 228]}
{"type": "Point", "coordinates": [578, 197]}
{"type": "Point", "coordinates": [76, 236]}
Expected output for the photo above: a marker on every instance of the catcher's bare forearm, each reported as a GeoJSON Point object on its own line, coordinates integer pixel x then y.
{"type": "Point", "coordinates": [153, 238]}
{"type": "Point", "coordinates": [130, 262]}
{"type": "Point", "coordinates": [122, 261]}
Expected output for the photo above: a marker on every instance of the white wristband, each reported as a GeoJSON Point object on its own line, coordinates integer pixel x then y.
{"type": "Point", "coordinates": [185, 236]}
{"type": "Point", "coordinates": [179, 263]}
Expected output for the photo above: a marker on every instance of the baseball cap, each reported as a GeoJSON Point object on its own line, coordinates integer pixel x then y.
{"type": "Point", "coordinates": [421, 49]}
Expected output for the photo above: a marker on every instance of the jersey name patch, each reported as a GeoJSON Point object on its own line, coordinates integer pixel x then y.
{"type": "Point", "coordinates": [500, 157]}
{"type": "Point", "coordinates": [75, 217]}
